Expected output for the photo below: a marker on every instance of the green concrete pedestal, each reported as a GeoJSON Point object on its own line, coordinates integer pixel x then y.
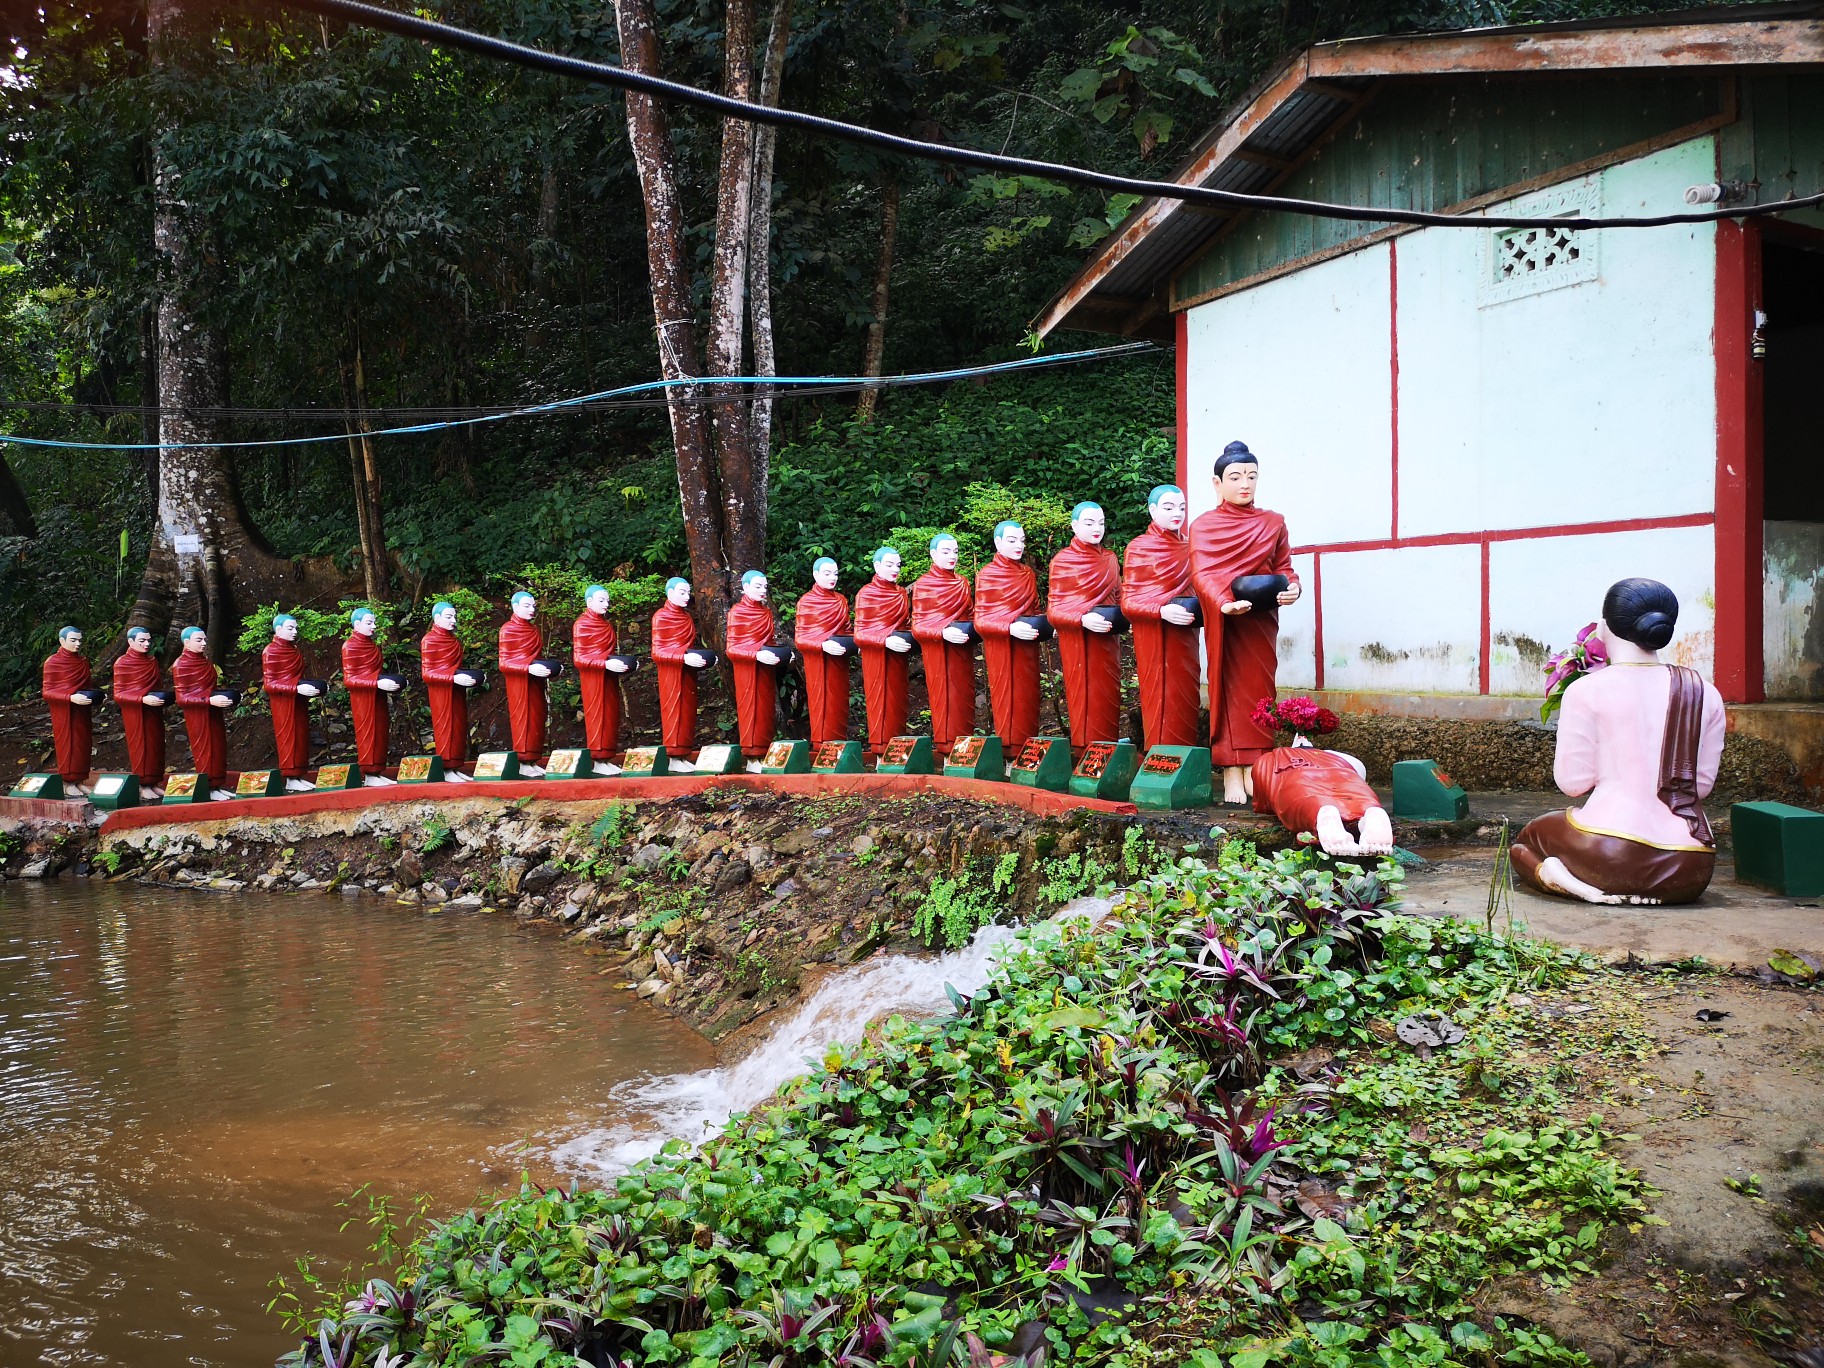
{"type": "Point", "coordinates": [1173, 777]}
{"type": "Point", "coordinates": [1779, 846]}
{"type": "Point", "coordinates": [262, 783]}
{"type": "Point", "coordinates": [1106, 770]}
{"type": "Point", "coordinates": [975, 757]}
{"type": "Point", "coordinates": [787, 757]}
{"type": "Point", "coordinates": [837, 757]}
{"type": "Point", "coordinates": [420, 769]}
{"type": "Point", "coordinates": [1043, 763]}
{"type": "Point", "coordinates": [493, 767]}
{"type": "Point", "coordinates": [570, 763]}
{"type": "Point", "coordinates": [645, 762]}
{"type": "Point", "coordinates": [720, 758]}
{"type": "Point", "coordinates": [339, 777]}
{"type": "Point", "coordinates": [186, 787]}
{"type": "Point", "coordinates": [113, 792]}
{"type": "Point", "coordinates": [907, 755]}
{"type": "Point", "coordinates": [1424, 793]}
{"type": "Point", "coordinates": [38, 786]}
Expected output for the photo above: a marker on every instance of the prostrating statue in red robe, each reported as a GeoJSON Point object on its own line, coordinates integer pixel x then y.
{"type": "Point", "coordinates": [1239, 541]}
{"type": "Point", "coordinates": [68, 690]}
{"type": "Point", "coordinates": [282, 669]}
{"type": "Point", "coordinates": [942, 605]}
{"type": "Point", "coordinates": [594, 651]}
{"type": "Point", "coordinates": [524, 674]}
{"type": "Point", "coordinates": [139, 686]}
{"type": "Point", "coordinates": [883, 616]}
{"type": "Point", "coordinates": [1325, 793]}
{"type": "Point", "coordinates": [1007, 591]}
{"type": "Point", "coordinates": [1085, 609]}
{"type": "Point", "coordinates": [364, 675]}
{"type": "Point", "coordinates": [750, 647]}
{"type": "Point", "coordinates": [677, 657]}
{"type": "Point", "coordinates": [205, 703]}
{"type": "Point", "coordinates": [446, 687]}
{"type": "Point", "coordinates": [823, 617]}
{"type": "Point", "coordinates": [1157, 596]}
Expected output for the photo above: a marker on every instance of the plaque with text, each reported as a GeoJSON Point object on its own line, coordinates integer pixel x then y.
{"type": "Point", "coordinates": [260, 783]}
{"type": "Point", "coordinates": [975, 757]}
{"type": "Point", "coordinates": [787, 757]}
{"type": "Point", "coordinates": [837, 757]}
{"type": "Point", "coordinates": [720, 758]}
{"type": "Point", "coordinates": [421, 769]}
{"type": "Point", "coordinates": [186, 788]}
{"type": "Point", "coordinates": [569, 764]}
{"type": "Point", "coordinates": [1173, 777]}
{"type": "Point", "coordinates": [1044, 763]}
{"type": "Point", "coordinates": [496, 766]}
{"type": "Point", "coordinates": [338, 777]}
{"type": "Point", "coordinates": [645, 762]}
{"type": "Point", "coordinates": [38, 786]}
{"type": "Point", "coordinates": [906, 755]}
{"type": "Point", "coordinates": [115, 791]}
{"type": "Point", "coordinates": [1106, 769]}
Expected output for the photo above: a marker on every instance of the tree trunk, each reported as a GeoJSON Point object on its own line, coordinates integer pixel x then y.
{"type": "Point", "coordinates": [760, 248]}
{"type": "Point", "coordinates": [15, 508]}
{"type": "Point", "coordinates": [366, 471]}
{"type": "Point", "coordinates": [875, 350]}
{"type": "Point", "coordinates": [649, 134]}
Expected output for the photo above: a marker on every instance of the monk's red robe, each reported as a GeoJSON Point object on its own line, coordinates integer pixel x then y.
{"type": "Point", "coordinates": [881, 608]}
{"type": "Point", "coordinates": [1158, 570]}
{"type": "Point", "coordinates": [750, 631]}
{"type": "Point", "coordinates": [281, 667]}
{"type": "Point", "coordinates": [592, 641]}
{"type": "Point", "coordinates": [367, 705]}
{"type": "Point", "coordinates": [72, 729]}
{"type": "Point", "coordinates": [822, 614]}
{"type": "Point", "coordinates": [194, 677]}
{"type": "Point", "coordinates": [1294, 782]}
{"type": "Point", "coordinates": [521, 643]}
{"type": "Point", "coordinates": [940, 599]}
{"type": "Point", "coordinates": [439, 658]}
{"type": "Point", "coordinates": [674, 632]}
{"type": "Point", "coordinates": [135, 676]}
{"type": "Point", "coordinates": [1083, 578]}
{"type": "Point", "coordinates": [1005, 590]}
{"type": "Point", "coordinates": [1243, 650]}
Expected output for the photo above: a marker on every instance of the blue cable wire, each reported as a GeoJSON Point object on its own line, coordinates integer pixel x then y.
{"type": "Point", "coordinates": [645, 387]}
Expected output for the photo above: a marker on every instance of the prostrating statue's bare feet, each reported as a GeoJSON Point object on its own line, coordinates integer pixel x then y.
{"type": "Point", "coordinates": [1332, 835]}
{"type": "Point", "coordinates": [1635, 900]}
{"type": "Point", "coordinates": [1376, 832]}
{"type": "Point", "coordinates": [377, 781]}
{"type": "Point", "coordinates": [1556, 877]}
{"type": "Point", "coordinates": [1235, 785]}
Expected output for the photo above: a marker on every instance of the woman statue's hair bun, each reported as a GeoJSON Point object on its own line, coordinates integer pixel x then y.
{"type": "Point", "coordinates": [1642, 611]}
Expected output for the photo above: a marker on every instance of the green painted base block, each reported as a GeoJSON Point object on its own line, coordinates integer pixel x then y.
{"type": "Point", "coordinates": [264, 783]}
{"type": "Point", "coordinates": [1424, 793]}
{"type": "Point", "coordinates": [837, 757]}
{"type": "Point", "coordinates": [1779, 846]}
{"type": "Point", "coordinates": [1043, 763]}
{"type": "Point", "coordinates": [1173, 777]}
{"type": "Point", "coordinates": [115, 791]}
{"type": "Point", "coordinates": [38, 786]}
{"type": "Point", "coordinates": [907, 755]}
{"type": "Point", "coordinates": [645, 762]}
{"type": "Point", "coordinates": [975, 757]}
{"type": "Point", "coordinates": [496, 766]}
{"type": "Point", "coordinates": [570, 764]}
{"type": "Point", "coordinates": [787, 757]}
{"type": "Point", "coordinates": [1106, 770]}
{"type": "Point", "coordinates": [186, 787]}
{"type": "Point", "coordinates": [420, 769]}
{"type": "Point", "coordinates": [720, 759]}
{"type": "Point", "coordinates": [339, 777]}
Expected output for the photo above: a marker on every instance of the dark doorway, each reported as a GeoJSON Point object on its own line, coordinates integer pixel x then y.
{"type": "Point", "coordinates": [1792, 470]}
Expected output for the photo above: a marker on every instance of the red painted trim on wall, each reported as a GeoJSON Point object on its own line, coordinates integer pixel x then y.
{"type": "Point", "coordinates": [1184, 401]}
{"type": "Point", "coordinates": [1393, 353]}
{"type": "Point", "coordinates": [1487, 630]}
{"type": "Point", "coordinates": [1738, 465]}
{"type": "Point", "coordinates": [1513, 534]}
{"type": "Point", "coordinates": [1317, 617]}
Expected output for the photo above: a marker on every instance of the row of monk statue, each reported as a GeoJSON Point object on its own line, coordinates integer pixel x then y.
{"type": "Point", "coordinates": [1228, 576]}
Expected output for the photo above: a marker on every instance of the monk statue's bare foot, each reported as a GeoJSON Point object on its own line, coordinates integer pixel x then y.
{"type": "Point", "coordinates": [377, 781]}
{"type": "Point", "coordinates": [1235, 785]}
{"type": "Point", "coordinates": [299, 786]}
{"type": "Point", "coordinates": [531, 771]}
{"type": "Point", "coordinates": [457, 777]}
{"type": "Point", "coordinates": [1556, 877]}
{"type": "Point", "coordinates": [221, 795]}
{"type": "Point", "coordinates": [155, 794]}
{"type": "Point", "coordinates": [754, 767]}
{"type": "Point", "coordinates": [683, 766]}
{"type": "Point", "coordinates": [1376, 832]}
{"type": "Point", "coordinates": [1332, 835]}
{"type": "Point", "coordinates": [606, 770]}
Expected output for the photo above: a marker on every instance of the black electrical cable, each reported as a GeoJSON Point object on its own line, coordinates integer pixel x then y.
{"type": "Point", "coordinates": [599, 73]}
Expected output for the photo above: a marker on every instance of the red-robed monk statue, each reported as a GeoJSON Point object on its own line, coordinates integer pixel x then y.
{"type": "Point", "coordinates": [1006, 591]}
{"type": "Point", "coordinates": [1238, 543]}
{"type": "Point", "coordinates": [364, 675]}
{"type": "Point", "coordinates": [1084, 606]}
{"type": "Point", "coordinates": [823, 616]}
{"type": "Point", "coordinates": [1155, 587]}
{"type": "Point", "coordinates": [524, 674]}
{"type": "Point", "coordinates": [68, 691]}
{"type": "Point", "coordinates": [750, 648]}
{"type": "Point", "coordinates": [882, 616]}
{"type": "Point", "coordinates": [197, 682]}
{"type": "Point", "coordinates": [942, 605]}
{"type": "Point", "coordinates": [282, 668]}
{"type": "Point", "coordinates": [446, 688]}
{"type": "Point", "coordinates": [139, 686]}
{"type": "Point", "coordinates": [594, 650]}
{"type": "Point", "coordinates": [677, 658]}
{"type": "Point", "coordinates": [1325, 793]}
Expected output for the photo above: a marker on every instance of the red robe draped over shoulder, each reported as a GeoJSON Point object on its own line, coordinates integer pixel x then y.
{"type": "Point", "coordinates": [72, 729]}
{"type": "Point", "coordinates": [194, 677]}
{"type": "Point", "coordinates": [881, 608]}
{"type": "Point", "coordinates": [521, 643]}
{"type": "Point", "coordinates": [135, 676]}
{"type": "Point", "coordinates": [941, 598]}
{"type": "Point", "coordinates": [592, 641]}
{"type": "Point", "coordinates": [372, 715]}
{"type": "Point", "coordinates": [1158, 570]}
{"type": "Point", "coordinates": [1083, 578]}
{"type": "Point", "coordinates": [439, 658]}
{"type": "Point", "coordinates": [1243, 649]}
{"type": "Point", "coordinates": [1294, 782]}
{"type": "Point", "coordinates": [822, 614]}
{"type": "Point", "coordinates": [674, 632]}
{"type": "Point", "coordinates": [1005, 590]}
{"type": "Point", "coordinates": [750, 631]}
{"type": "Point", "coordinates": [281, 667]}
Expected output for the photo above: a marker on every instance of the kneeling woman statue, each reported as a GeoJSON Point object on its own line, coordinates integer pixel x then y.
{"type": "Point", "coordinates": [1643, 739]}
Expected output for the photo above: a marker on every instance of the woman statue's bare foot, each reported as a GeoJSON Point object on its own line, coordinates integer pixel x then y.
{"type": "Point", "coordinates": [1556, 877]}
{"type": "Point", "coordinates": [1377, 832]}
{"type": "Point", "coordinates": [1332, 835]}
{"type": "Point", "coordinates": [1636, 900]}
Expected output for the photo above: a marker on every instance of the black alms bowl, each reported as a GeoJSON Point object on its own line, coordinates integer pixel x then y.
{"type": "Point", "coordinates": [1262, 591]}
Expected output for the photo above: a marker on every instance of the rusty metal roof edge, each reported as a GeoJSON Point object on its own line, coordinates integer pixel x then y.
{"type": "Point", "coordinates": [1707, 14]}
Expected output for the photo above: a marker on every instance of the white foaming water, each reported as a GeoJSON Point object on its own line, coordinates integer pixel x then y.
{"type": "Point", "coordinates": [694, 1106]}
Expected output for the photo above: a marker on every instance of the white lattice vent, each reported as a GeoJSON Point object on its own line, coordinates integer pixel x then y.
{"type": "Point", "coordinates": [1517, 262]}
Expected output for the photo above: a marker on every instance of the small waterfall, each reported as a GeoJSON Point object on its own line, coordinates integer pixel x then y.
{"type": "Point", "coordinates": [694, 1106]}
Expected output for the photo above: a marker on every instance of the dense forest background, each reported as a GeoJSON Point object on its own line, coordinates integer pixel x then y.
{"type": "Point", "coordinates": [372, 225]}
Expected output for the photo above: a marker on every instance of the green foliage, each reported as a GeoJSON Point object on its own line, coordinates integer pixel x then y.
{"type": "Point", "coordinates": [952, 910]}
{"type": "Point", "coordinates": [438, 835]}
{"type": "Point", "coordinates": [477, 621]}
{"type": "Point", "coordinates": [313, 626]}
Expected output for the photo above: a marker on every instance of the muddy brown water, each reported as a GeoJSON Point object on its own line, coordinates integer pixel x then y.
{"type": "Point", "coordinates": [192, 1084]}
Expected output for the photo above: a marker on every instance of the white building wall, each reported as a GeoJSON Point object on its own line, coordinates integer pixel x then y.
{"type": "Point", "coordinates": [1403, 620]}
